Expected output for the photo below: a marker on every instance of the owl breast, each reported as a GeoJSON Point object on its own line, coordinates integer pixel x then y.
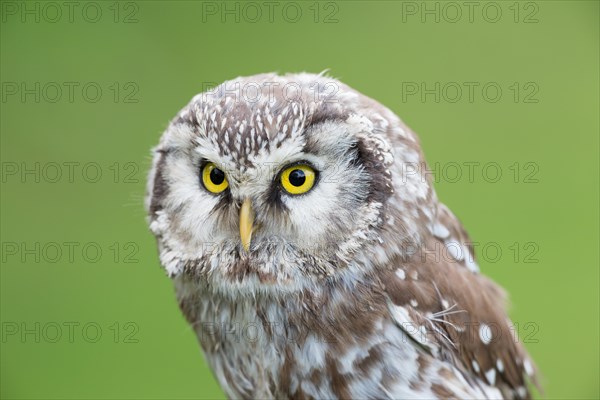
{"type": "Point", "coordinates": [327, 345]}
{"type": "Point", "coordinates": [242, 342]}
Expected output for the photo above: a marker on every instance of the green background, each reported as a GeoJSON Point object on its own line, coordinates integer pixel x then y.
{"type": "Point", "coordinates": [169, 52]}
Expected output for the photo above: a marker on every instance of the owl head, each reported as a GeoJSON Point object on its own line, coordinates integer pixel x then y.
{"type": "Point", "coordinates": [280, 182]}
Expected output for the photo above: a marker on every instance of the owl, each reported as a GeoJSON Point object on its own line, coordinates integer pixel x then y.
{"type": "Point", "coordinates": [311, 256]}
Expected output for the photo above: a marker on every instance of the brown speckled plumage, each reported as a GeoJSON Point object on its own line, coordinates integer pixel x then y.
{"type": "Point", "coordinates": [364, 287]}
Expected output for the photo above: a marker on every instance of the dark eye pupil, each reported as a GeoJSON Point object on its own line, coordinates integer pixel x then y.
{"type": "Point", "coordinates": [297, 177]}
{"type": "Point", "coordinates": [217, 176]}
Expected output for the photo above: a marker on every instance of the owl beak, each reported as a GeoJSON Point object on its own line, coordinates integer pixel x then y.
{"type": "Point", "coordinates": [246, 223]}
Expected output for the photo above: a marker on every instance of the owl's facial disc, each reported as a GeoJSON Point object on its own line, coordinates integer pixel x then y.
{"type": "Point", "coordinates": [276, 191]}
{"type": "Point", "coordinates": [281, 215]}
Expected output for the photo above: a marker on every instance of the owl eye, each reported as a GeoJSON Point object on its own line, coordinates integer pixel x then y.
{"type": "Point", "coordinates": [298, 179]}
{"type": "Point", "coordinates": [213, 179]}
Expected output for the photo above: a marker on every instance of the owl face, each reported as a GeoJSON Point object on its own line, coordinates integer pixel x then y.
{"type": "Point", "coordinates": [274, 192]}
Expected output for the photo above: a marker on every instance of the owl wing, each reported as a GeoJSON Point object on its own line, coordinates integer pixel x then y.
{"type": "Point", "coordinates": [455, 314]}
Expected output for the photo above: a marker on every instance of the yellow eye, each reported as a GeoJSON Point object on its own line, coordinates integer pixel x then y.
{"type": "Point", "coordinates": [213, 179]}
{"type": "Point", "coordinates": [298, 179]}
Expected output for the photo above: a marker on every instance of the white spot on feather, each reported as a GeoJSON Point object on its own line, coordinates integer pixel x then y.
{"type": "Point", "coordinates": [440, 231]}
{"type": "Point", "coordinates": [470, 260]}
{"type": "Point", "coordinates": [485, 333]}
{"type": "Point", "coordinates": [455, 249]}
{"type": "Point", "coordinates": [401, 317]}
{"type": "Point", "coordinates": [528, 367]}
{"type": "Point", "coordinates": [491, 376]}
{"type": "Point", "coordinates": [500, 365]}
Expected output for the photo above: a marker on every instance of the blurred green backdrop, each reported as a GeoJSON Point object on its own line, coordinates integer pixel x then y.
{"type": "Point", "coordinates": [87, 89]}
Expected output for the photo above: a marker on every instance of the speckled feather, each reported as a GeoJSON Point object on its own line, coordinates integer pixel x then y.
{"type": "Point", "coordinates": [365, 287]}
